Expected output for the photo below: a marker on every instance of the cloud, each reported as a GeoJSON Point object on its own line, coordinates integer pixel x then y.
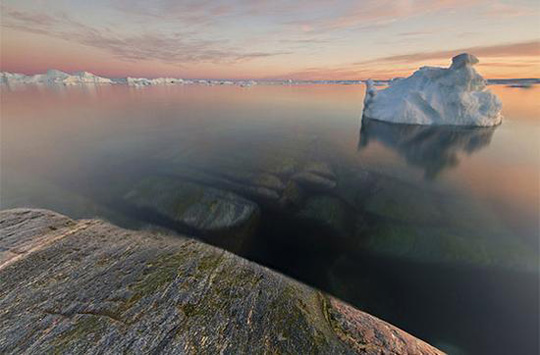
{"type": "Point", "coordinates": [311, 16]}
{"type": "Point", "coordinates": [201, 12]}
{"type": "Point", "coordinates": [499, 9]}
{"type": "Point", "coordinates": [180, 47]}
{"type": "Point", "coordinates": [369, 14]}
{"type": "Point", "coordinates": [522, 55]}
{"type": "Point", "coordinates": [522, 49]}
{"type": "Point", "coordinates": [416, 33]}
{"type": "Point", "coordinates": [189, 32]}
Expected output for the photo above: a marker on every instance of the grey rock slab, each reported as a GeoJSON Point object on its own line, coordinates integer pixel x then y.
{"type": "Point", "coordinates": [24, 229]}
{"type": "Point", "coordinates": [97, 288]}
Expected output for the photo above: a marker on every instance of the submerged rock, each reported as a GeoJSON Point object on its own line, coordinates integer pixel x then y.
{"type": "Point", "coordinates": [314, 181]}
{"type": "Point", "coordinates": [256, 179]}
{"type": "Point", "coordinates": [256, 185]}
{"type": "Point", "coordinates": [316, 176]}
{"type": "Point", "coordinates": [433, 226]}
{"type": "Point", "coordinates": [321, 169]}
{"type": "Point", "coordinates": [457, 95]}
{"type": "Point", "coordinates": [226, 217]}
{"type": "Point", "coordinates": [327, 211]}
{"type": "Point", "coordinates": [292, 196]}
{"type": "Point", "coordinates": [90, 287]}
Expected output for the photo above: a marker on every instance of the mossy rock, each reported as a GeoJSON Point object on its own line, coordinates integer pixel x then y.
{"type": "Point", "coordinates": [140, 292]}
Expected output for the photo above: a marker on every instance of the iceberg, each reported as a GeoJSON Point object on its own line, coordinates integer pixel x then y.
{"type": "Point", "coordinates": [457, 95]}
{"type": "Point", "coordinates": [53, 76]}
{"type": "Point", "coordinates": [157, 81]}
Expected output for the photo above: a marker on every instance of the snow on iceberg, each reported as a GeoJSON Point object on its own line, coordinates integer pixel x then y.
{"type": "Point", "coordinates": [157, 81]}
{"type": "Point", "coordinates": [53, 76]}
{"type": "Point", "coordinates": [436, 96]}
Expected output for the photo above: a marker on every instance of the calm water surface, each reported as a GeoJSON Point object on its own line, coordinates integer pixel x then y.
{"type": "Point", "coordinates": [432, 229]}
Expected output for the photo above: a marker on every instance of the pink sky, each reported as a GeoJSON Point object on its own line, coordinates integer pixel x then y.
{"type": "Point", "coordinates": [315, 39]}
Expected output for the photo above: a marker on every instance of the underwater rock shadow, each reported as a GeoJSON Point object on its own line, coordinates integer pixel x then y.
{"type": "Point", "coordinates": [432, 148]}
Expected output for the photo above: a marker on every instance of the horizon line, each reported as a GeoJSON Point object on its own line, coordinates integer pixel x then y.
{"type": "Point", "coordinates": [237, 79]}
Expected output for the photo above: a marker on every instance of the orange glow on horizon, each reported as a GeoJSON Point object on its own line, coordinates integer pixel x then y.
{"type": "Point", "coordinates": [33, 42]}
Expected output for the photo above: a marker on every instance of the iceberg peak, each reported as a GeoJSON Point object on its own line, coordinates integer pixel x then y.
{"type": "Point", "coordinates": [456, 95]}
{"type": "Point", "coordinates": [463, 59]}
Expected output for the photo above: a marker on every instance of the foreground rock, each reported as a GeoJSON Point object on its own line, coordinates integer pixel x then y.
{"type": "Point", "coordinates": [88, 286]}
{"type": "Point", "coordinates": [457, 95]}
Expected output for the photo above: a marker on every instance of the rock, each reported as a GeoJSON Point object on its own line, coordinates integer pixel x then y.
{"type": "Point", "coordinates": [314, 181]}
{"type": "Point", "coordinates": [356, 185]}
{"type": "Point", "coordinates": [25, 229]}
{"type": "Point", "coordinates": [321, 169]}
{"type": "Point", "coordinates": [97, 288]}
{"type": "Point", "coordinates": [260, 187]}
{"type": "Point", "coordinates": [327, 211]}
{"type": "Point", "coordinates": [292, 196]}
{"type": "Point", "coordinates": [371, 330]}
{"type": "Point", "coordinates": [316, 176]}
{"type": "Point", "coordinates": [447, 245]}
{"type": "Point", "coordinates": [257, 179]}
{"type": "Point", "coordinates": [436, 226]}
{"type": "Point", "coordinates": [224, 216]}
{"type": "Point", "coordinates": [281, 165]}
{"type": "Point", "coordinates": [398, 200]}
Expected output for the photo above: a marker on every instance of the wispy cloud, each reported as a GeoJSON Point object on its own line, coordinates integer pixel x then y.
{"type": "Point", "coordinates": [378, 13]}
{"type": "Point", "coordinates": [207, 35]}
{"type": "Point", "coordinates": [522, 49]}
{"type": "Point", "coordinates": [497, 9]}
{"type": "Point", "coordinates": [181, 47]}
{"type": "Point", "coordinates": [526, 54]}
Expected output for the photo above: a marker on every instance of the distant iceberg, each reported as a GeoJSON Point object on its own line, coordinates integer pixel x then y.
{"type": "Point", "coordinates": [436, 96]}
{"type": "Point", "coordinates": [157, 81]}
{"type": "Point", "coordinates": [53, 77]}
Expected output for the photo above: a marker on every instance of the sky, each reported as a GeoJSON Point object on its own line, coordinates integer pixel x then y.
{"type": "Point", "coordinates": [268, 39]}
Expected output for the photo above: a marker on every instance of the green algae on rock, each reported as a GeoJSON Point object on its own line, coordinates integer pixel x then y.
{"type": "Point", "coordinates": [95, 288]}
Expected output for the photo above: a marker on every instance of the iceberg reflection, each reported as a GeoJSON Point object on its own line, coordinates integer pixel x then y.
{"type": "Point", "coordinates": [432, 148]}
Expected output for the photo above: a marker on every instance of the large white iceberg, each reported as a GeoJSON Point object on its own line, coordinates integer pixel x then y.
{"type": "Point", "coordinates": [53, 77]}
{"type": "Point", "coordinates": [436, 96]}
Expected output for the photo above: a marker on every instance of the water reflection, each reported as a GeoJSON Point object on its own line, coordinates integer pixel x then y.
{"type": "Point", "coordinates": [432, 148]}
{"type": "Point", "coordinates": [438, 259]}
